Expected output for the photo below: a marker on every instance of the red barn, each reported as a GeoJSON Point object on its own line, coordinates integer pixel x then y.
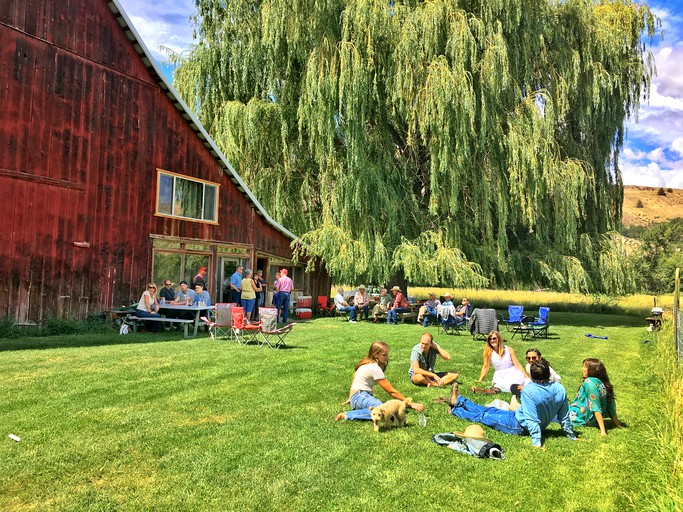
{"type": "Point", "coordinates": [109, 179]}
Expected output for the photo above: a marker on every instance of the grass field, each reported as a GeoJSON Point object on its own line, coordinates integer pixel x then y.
{"type": "Point", "coordinates": [140, 422]}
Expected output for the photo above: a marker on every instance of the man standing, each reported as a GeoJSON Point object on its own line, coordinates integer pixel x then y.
{"type": "Point", "coordinates": [343, 306]}
{"type": "Point", "coordinates": [285, 287]}
{"type": "Point", "coordinates": [423, 360]}
{"type": "Point", "coordinates": [236, 285]}
{"type": "Point", "coordinates": [542, 401]}
{"type": "Point", "coordinates": [200, 278]}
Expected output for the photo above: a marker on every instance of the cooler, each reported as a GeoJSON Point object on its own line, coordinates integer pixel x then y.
{"type": "Point", "coordinates": [304, 301]}
{"type": "Point", "coordinates": [303, 313]}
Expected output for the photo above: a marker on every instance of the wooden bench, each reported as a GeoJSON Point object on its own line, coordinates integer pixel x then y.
{"type": "Point", "coordinates": [133, 321]}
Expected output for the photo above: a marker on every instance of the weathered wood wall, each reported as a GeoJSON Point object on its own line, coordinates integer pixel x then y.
{"type": "Point", "coordinates": [83, 127]}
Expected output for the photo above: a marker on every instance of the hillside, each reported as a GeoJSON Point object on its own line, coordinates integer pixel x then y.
{"type": "Point", "coordinates": [655, 208]}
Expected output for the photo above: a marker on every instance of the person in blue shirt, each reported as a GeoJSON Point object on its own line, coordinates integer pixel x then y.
{"type": "Point", "coordinates": [542, 402]}
{"type": "Point", "coordinates": [236, 285]}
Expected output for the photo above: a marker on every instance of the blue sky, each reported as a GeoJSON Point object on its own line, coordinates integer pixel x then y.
{"type": "Point", "coordinates": [653, 151]}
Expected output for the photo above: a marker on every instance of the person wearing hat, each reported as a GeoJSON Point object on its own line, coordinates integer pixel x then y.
{"type": "Point", "coordinates": [200, 278]}
{"type": "Point", "coordinates": [428, 310]}
{"type": "Point", "coordinates": [423, 360]}
{"type": "Point", "coordinates": [400, 305]}
{"type": "Point", "coordinates": [447, 300]}
{"type": "Point", "coordinates": [285, 286]}
{"type": "Point", "coordinates": [542, 402]}
{"type": "Point", "coordinates": [361, 301]}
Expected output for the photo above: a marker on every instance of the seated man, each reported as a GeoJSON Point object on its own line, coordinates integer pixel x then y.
{"type": "Point", "coordinates": [382, 306]}
{"type": "Point", "coordinates": [422, 361]}
{"type": "Point", "coordinates": [463, 310]}
{"type": "Point", "coordinates": [542, 402]}
{"type": "Point", "coordinates": [361, 301]}
{"type": "Point", "coordinates": [428, 310]}
{"type": "Point", "coordinates": [167, 292]}
{"type": "Point", "coordinates": [342, 305]}
{"type": "Point", "coordinates": [400, 305]}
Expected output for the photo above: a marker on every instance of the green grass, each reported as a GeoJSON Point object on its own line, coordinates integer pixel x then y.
{"type": "Point", "coordinates": [138, 422]}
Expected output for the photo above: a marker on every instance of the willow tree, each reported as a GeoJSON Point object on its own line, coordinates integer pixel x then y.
{"type": "Point", "coordinates": [458, 142]}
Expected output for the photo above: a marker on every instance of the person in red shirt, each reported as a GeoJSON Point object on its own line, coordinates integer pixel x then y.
{"type": "Point", "coordinates": [400, 305]}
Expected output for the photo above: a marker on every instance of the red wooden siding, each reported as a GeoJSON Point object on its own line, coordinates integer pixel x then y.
{"type": "Point", "coordinates": [83, 128]}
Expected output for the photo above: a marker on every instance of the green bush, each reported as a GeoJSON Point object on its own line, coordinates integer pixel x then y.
{"type": "Point", "coordinates": [61, 326]}
{"type": "Point", "coordinates": [661, 192]}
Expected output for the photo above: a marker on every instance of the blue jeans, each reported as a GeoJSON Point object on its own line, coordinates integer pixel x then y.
{"type": "Point", "coordinates": [392, 314]}
{"type": "Point", "coordinates": [351, 310]}
{"type": "Point", "coordinates": [429, 314]}
{"type": "Point", "coordinates": [248, 305]}
{"type": "Point", "coordinates": [237, 297]}
{"type": "Point", "coordinates": [150, 326]}
{"type": "Point", "coordinates": [504, 421]}
{"type": "Point", "coordinates": [365, 309]}
{"type": "Point", "coordinates": [361, 401]}
{"type": "Point", "coordinates": [283, 304]}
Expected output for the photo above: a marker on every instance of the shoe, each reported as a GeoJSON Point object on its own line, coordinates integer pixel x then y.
{"type": "Point", "coordinates": [485, 391]}
{"type": "Point", "coordinates": [374, 320]}
{"type": "Point", "coordinates": [352, 322]}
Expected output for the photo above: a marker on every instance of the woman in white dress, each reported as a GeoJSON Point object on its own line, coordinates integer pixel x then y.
{"type": "Point", "coordinates": [508, 370]}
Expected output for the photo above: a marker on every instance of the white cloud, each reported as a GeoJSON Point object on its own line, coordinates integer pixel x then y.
{"type": "Point", "coordinates": [677, 145]}
{"type": "Point", "coordinates": [161, 23]}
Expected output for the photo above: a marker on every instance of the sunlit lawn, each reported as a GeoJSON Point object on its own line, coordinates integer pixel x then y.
{"type": "Point", "coordinates": [140, 422]}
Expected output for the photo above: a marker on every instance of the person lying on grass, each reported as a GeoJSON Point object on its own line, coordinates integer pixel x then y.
{"type": "Point", "coordinates": [507, 372]}
{"type": "Point", "coordinates": [542, 402]}
{"type": "Point", "coordinates": [595, 398]}
{"type": "Point", "coordinates": [423, 360]}
{"type": "Point", "coordinates": [369, 372]}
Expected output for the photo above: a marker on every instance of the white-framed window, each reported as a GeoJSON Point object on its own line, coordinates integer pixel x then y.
{"type": "Point", "coordinates": [186, 198]}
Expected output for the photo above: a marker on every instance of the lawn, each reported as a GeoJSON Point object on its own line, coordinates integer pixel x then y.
{"type": "Point", "coordinates": [144, 422]}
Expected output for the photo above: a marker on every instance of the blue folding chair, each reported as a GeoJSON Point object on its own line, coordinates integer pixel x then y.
{"type": "Point", "coordinates": [539, 326]}
{"type": "Point", "coordinates": [514, 318]}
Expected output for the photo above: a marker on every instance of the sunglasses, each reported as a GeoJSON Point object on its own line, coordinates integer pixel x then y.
{"type": "Point", "coordinates": [532, 358]}
{"type": "Point", "coordinates": [493, 338]}
{"type": "Point", "coordinates": [151, 287]}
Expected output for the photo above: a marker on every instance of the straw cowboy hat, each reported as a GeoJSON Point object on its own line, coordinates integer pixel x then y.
{"type": "Point", "coordinates": [395, 289]}
{"type": "Point", "coordinates": [448, 296]}
{"type": "Point", "coordinates": [473, 432]}
{"type": "Point", "coordinates": [361, 287]}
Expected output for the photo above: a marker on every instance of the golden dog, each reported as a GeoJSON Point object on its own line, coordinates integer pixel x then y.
{"type": "Point", "coordinates": [393, 411]}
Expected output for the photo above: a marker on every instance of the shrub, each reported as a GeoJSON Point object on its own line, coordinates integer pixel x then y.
{"type": "Point", "coordinates": [639, 204]}
{"type": "Point", "coordinates": [661, 192]}
{"type": "Point", "coordinates": [57, 326]}
{"type": "Point", "coordinates": [669, 190]}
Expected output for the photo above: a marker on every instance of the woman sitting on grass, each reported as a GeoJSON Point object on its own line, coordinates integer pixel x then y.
{"type": "Point", "coordinates": [368, 372]}
{"type": "Point", "coordinates": [508, 371]}
{"type": "Point", "coordinates": [595, 398]}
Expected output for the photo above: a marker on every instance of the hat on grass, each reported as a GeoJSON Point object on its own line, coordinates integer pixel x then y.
{"type": "Point", "coordinates": [473, 432]}
{"type": "Point", "coordinates": [395, 289]}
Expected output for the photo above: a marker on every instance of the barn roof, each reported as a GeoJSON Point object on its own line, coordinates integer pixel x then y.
{"type": "Point", "coordinates": [188, 115]}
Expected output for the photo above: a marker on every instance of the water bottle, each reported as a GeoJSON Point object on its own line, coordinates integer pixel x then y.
{"type": "Point", "coordinates": [422, 419]}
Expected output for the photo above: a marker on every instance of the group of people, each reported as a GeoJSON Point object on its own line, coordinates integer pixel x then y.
{"type": "Point", "coordinates": [541, 398]}
{"type": "Point", "coordinates": [148, 305]}
{"type": "Point", "coordinates": [249, 292]}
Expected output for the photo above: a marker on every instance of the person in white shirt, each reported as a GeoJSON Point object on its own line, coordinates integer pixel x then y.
{"type": "Point", "coordinates": [343, 306]}
{"type": "Point", "coordinates": [369, 372]}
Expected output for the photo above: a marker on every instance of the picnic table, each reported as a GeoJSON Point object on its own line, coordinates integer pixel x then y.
{"type": "Point", "coordinates": [164, 310]}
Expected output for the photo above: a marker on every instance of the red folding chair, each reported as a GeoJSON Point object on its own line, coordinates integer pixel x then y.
{"type": "Point", "coordinates": [243, 331]}
{"type": "Point", "coordinates": [324, 309]}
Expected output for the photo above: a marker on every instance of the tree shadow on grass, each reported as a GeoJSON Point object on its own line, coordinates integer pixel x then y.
{"type": "Point", "coordinates": [89, 340]}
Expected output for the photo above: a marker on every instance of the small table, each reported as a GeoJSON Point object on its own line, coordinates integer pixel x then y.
{"type": "Point", "coordinates": [180, 307]}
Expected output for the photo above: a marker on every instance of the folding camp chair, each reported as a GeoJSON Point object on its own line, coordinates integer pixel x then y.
{"type": "Point", "coordinates": [324, 308]}
{"type": "Point", "coordinates": [539, 326]}
{"type": "Point", "coordinates": [277, 335]}
{"type": "Point", "coordinates": [243, 331]}
{"type": "Point", "coordinates": [448, 321]}
{"type": "Point", "coordinates": [514, 318]}
{"type": "Point", "coordinates": [221, 327]}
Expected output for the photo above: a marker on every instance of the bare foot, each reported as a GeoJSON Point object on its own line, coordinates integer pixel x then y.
{"type": "Point", "coordinates": [340, 416]}
{"type": "Point", "coordinates": [454, 394]}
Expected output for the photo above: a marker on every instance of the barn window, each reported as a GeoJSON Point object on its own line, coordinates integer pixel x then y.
{"type": "Point", "coordinates": [187, 198]}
